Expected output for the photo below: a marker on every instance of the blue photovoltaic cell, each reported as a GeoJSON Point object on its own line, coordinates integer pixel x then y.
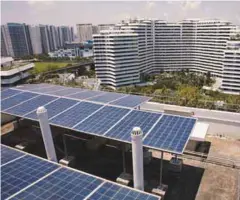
{"type": "Point", "coordinates": [102, 120]}
{"type": "Point", "coordinates": [67, 91]}
{"type": "Point", "coordinates": [54, 108]}
{"type": "Point", "coordinates": [30, 105]}
{"type": "Point", "coordinates": [130, 101]}
{"type": "Point", "coordinates": [110, 191]}
{"type": "Point", "coordinates": [19, 98]}
{"type": "Point", "coordinates": [171, 133]}
{"type": "Point", "coordinates": [21, 173]}
{"type": "Point", "coordinates": [8, 93]}
{"type": "Point", "coordinates": [8, 154]}
{"type": "Point", "coordinates": [4, 88]}
{"type": "Point", "coordinates": [108, 97]}
{"type": "Point", "coordinates": [144, 120]}
{"type": "Point", "coordinates": [63, 184]}
{"type": "Point", "coordinates": [86, 94]}
{"type": "Point", "coordinates": [76, 114]}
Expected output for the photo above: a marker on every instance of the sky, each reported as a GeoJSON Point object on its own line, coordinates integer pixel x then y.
{"type": "Point", "coordinates": [96, 12]}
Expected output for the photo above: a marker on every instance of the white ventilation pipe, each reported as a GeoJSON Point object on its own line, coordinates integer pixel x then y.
{"type": "Point", "coordinates": [137, 158]}
{"type": "Point", "coordinates": [46, 134]}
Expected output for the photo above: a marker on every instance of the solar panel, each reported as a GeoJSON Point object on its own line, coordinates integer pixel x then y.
{"type": "Point", "coordinates": [67, 91]}
{"type": "Point", "coordinates": [113, 191]}
{"type": "Point", "coordinates": [33, 86]}
{"type": "Point", "coordinates": [8, 93]}
{"type": "Point", "coordinates": [62, 184]}
{"type": "Point", "coordinates": [171, 133]}
{"type": "Point", "coordinates": [23, 172]}
{"type": "Point", "coordinates": [108, 97]}
{"type": "Point", "coordinates": [15, 100]}
{"type": "Point", "coordinates": [45, 90]}
{"type": "Point", "coordinates": [144, 120]}
{"type": "Point", "coordinates": [30, 105]}
{"type": "Point", "coordinates": [130, 101]}
{"type": "Point", "coordinates": [102, 120]}
{"type": "Point", "coordinates": [86, 94]}
{"type": "Point", "coordinates": [54, 108]}
{"type": "Point", "coordinates": [8, 154]}
{"type": "Point", "coordinates": [76, 114]}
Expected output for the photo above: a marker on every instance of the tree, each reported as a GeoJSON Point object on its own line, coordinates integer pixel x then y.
{"type": "Point", "coordinates": [208, 76]}
{"type": "Point", "coordinates": [188, 95]}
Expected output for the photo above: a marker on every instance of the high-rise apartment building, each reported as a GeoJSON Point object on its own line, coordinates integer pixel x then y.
{"type": "Point", "coordinates": [45, 39]}
{"type": "Point", "coordinates": [16, 40]}
{"type": "Point", "coordinates": [231, 66]}
{"type": "Point", "coordinates": [4, 51]}
{"type": "Point", "coordinates": [19, 40]}
{"type": "Point", "coordinates": [35, 36]}
{"type": "Point", "coordinates": [197, 45]}
{"type": "Point", "coordinates": [84, 32]}
{"type": "Point", "coordinates": [116, 57]}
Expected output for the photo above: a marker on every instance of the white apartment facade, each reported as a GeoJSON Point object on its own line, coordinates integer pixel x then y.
{"type": "Point", "coordinates": [84, 32]}
{"type": "Point", "coordinates": [197, 45]}
{"type": "Point", "coordinates": [116, 57]}
{"type": "Point", "coordinates": [35, 36]}
{"type": "Point", "coordinates": [231, 67]}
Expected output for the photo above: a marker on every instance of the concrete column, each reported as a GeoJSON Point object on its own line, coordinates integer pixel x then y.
{"type": "Point", "coordinates": [137, 158]}
{"type": "Point", "coordinates": [46, 134]}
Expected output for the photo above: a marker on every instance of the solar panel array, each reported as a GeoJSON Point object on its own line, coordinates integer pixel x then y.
{"type": "Point", "coordinates": [8, 93]}
{"type": "Point", "coordinates": [9, 155]}
{"type": "Point", "coordinates": [30, 177]}
{"type": "Point", "coordinates": [16, 99]}
{"type": "Point", "coordinates": [22, 172]}
{"type": "Point", "coordinates": [112, 98]}
{"type": "Point", "coordinates": [75, 114]}
{"type": "Point", "coordinates": [101, 121]}
{"type": "Point", "coordinates": [30, 105]}
{"type": "Point", "coordinates": [171, 133]}
{"type": "Point", "coordinates": [122, 130]}
{"type": "Point", "coordinates": [162, 132]}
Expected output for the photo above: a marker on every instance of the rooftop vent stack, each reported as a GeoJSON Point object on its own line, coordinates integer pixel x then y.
{"type": "Point", "coordinates": [46, 134]}
{"type": "Point", "coordinates": [137, 158]}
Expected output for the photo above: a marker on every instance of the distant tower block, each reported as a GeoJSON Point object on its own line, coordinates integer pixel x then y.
{"type": "Point", "coordinates": [137, 158]}
{"type": "Point", "coordinates": [46, 134]}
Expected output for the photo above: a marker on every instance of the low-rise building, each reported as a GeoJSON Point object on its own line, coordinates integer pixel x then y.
{"type": "Point", "coordinates": [71, 53]}
{"type": "Point", "coordinates": [14, 72]}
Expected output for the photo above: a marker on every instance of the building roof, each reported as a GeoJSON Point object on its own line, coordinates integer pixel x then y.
{"type": "Point", "coordinates": [17, 70]}
{"type": "Point", "coordinates": [6, 59]}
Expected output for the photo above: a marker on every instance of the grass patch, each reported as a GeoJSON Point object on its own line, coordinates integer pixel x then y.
{"type": "Point", "coordinates": [41, 67]}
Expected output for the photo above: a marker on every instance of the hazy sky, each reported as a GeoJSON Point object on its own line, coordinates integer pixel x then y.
{"type": "Point", "coordinates": [73, 12]}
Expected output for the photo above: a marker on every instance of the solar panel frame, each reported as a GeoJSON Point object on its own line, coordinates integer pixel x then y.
{"type": "Point", "coordinates": [19, 174]}
{"type": "Point", "coordinates": [30, 105]}
{"type": "Point", "coordinates": [9, 93]}
{"type": "Point", "coordinates": [164, 148]}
